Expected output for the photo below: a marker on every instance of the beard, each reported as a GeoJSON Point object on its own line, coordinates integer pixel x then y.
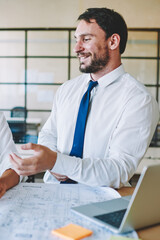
{"type": "Point", "coordinates": [97, 64]}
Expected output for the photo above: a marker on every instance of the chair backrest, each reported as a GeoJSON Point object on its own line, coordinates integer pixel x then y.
{"type": "Point", "coordinates": [17, 128]}
{"type": "Point", "coordinates": [19, 112]}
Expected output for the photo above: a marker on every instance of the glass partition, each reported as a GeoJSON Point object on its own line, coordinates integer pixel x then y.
{"type": "Point", "coordinates": [35, 62]}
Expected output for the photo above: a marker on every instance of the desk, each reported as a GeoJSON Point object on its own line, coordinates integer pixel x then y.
{"type": "Point", "coordinates": [32, 210]}
{"type": "Point", "coordinates": [150, 233]}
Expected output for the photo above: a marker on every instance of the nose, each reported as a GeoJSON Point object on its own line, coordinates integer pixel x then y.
{"type": "Point", "coordinates": [78, 47]}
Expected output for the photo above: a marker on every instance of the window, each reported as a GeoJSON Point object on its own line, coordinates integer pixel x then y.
{"type": "Point", "coordinates": [35, 62]}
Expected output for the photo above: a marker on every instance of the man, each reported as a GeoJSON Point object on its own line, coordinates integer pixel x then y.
{"type": "Point", "coordinates": [8, 177]}
{"type": "Point", "coordinates": [121, 117]}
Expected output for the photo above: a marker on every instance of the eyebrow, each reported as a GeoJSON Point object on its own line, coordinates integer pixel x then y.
{"type": "Point", "coordinates": [85, 34]}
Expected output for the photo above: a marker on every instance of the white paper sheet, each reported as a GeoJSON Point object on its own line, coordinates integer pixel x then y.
{"type": "Point", "coordinates": [32, 210]}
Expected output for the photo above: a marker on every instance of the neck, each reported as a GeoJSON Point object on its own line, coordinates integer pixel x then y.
{"type": "Point", "coordinates": [107, 69]}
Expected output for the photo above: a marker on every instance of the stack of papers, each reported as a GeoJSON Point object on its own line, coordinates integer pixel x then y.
{"type": "Point", "coordinates": [33, 210]}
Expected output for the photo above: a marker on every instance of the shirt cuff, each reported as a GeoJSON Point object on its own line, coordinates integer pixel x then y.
{"type": "Point", "coordinates": [65, 164]}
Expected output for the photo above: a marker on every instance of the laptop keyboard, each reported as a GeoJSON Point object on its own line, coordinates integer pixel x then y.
{"type": "Point", "coordinates": [113, 218]}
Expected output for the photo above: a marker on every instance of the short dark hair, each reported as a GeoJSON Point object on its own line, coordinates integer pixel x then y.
{"type": "Point", "coordinates": [110, 21]}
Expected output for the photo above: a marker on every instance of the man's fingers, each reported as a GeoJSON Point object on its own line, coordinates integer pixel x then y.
{"type": "Point", "coordinates": [24, 167]}
{"type": "Point", "coordinates": [42, 159]}
{"type": "Point", "coordinates": [23, 161]}
{"type": "Point", "coordinates": [59, 177]}
{"type": "Point", "coordinates": [14, 159]}
{"type": "Point", "coordinates": [31, 146]}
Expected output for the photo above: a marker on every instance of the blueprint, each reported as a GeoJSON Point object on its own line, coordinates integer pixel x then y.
{"type": "Point", "coordinates": [32, 210]}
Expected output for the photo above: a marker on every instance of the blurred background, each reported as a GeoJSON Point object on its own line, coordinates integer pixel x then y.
{"type": "Point", "coordinates": [36, 55]}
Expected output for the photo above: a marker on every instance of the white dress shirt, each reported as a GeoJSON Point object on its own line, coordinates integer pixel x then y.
{"type": "Point", "coordinates": [121, 122]}
{"type": "Point", "coordinates": [7, 145]}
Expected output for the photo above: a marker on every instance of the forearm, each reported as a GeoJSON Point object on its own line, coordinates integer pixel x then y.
{"type": "Point", "coordinates": [96, 172]}
{"type": "Point", "coordinates": [9, 178]}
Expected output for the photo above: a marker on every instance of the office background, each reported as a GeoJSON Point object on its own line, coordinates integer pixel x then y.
{"type": "Point", "coordinates": [36, 48]}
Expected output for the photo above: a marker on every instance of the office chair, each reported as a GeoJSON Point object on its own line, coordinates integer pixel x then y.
{"type": "Point", "coordinates": [19, 112]}
{"type": "Point", "coordinates": [19, 127]}
{"type": "Point", "coordinates": [19, 130]}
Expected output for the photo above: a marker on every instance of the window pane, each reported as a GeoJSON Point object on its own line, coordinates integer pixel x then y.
{"type": "Point", "coordinates": [73, 42]}
{"type": "Point", "coordinates": [47, 43]}
{"type": "Point", "coordinates": [142, 44]}
{"type": "Point", "coordinates": [11, 96]}
{"type": "Point", "coordinates": [143, 70]}
{"type": "Point", "coordinates": [47, 70]}
{"type": "Point", "coordinates": [159, 97]}
{"type": "Point", "coordinates": [40, 97]}
{"type": "Point", "coordinates": [159, 72]}
{"type": "Point", "coordinates": [12, 43]}
{"type": "Point", "coordinates": [152, 90]}
{"type": "Point", "coordinates": [12, 70]}
{"type": "Point", "coordinates": [75, 68]}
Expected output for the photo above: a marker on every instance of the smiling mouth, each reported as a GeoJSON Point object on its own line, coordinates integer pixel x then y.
{"type": "Point", "coordinates": [83, 56]}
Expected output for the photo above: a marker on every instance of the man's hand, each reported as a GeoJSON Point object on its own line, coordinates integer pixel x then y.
{"type": "Point", "coordinates": [8, 180]}
{"type": "Point", "coordinates": [3, 189]}
{"type": "Point", "coordinates": [42, 160]}
{"type": "Point", "coordinates": [59, 177]}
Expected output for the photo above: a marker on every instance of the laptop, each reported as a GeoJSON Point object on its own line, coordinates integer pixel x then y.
{"type": "Point", "coordinates": [128, 213]}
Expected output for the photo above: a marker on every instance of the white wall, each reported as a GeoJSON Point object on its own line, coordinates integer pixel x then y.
{"type": "Point", "coordinates": [63, 13]}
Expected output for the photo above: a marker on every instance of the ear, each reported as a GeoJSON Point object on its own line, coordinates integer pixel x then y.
{"type": "Point", "coordinates": [114, 41]}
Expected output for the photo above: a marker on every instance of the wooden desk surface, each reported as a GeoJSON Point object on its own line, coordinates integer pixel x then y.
{"type": "Point", "coordinates": [150, 233]}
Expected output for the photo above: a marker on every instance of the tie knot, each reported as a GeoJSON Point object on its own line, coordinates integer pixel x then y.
{"type": "Point", "coordinates": [92, 84]}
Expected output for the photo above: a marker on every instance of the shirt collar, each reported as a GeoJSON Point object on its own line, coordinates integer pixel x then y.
{"type": "Point", "coordinates": [109, 77]}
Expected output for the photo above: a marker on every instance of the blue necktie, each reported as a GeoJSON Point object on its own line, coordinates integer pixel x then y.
{"type": "Point", "coordinates": [78, 141]}
{"type": "Point", "coordinates": [77, 147]}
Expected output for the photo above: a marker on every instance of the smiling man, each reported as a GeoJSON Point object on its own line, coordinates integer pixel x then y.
{"type": "Point", "coordinates": [102, 121]}
{"type": "Point", "coordinates": [91, 47]}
